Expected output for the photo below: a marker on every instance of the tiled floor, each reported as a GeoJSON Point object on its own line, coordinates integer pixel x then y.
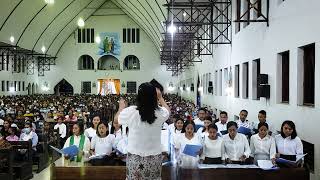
{"type": "Point", "coordinates": [45, 174]}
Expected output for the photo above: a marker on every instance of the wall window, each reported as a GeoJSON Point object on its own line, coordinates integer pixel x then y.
{"type": "Point", "coordinates": [307, 58]}
{"type": "Point", "coordinates": [85, 62]}
{"type": "Point", "coordinates": [19, 86]}
{"type": "Point", "coordinates": [131, 62]}
{"type": "Point", "coordinates": [220, 82]}
{"type": "Point", "coordinates": [131, 35]}
{"type": "Point", "coordinates": [245, 80]}
{"type": "Point", "coordinates": [225, 81]}
{"type": "Point", "coordinates": [3, 86]}
{"type": "Point", "coordinates": [108, 62]}
{"type": "Point", "coordinates": [23, 86]}
{"type": "Point", "coordinates": [8, 84]}
{"type": "Point", "coordinates": [236, 81]}
{"type": "Point", "coordinates": [283, 76]}
{"type": "Point", "coordinates": [255, 75]}
{"type": "Point", "coordinates": [86, 35]}
{"type": "Point", "coordinates": [131, 87]}
{"type": "Point", "coordinates": [86, 87]}
{"type": "Point", "coordinates": [216, 83]}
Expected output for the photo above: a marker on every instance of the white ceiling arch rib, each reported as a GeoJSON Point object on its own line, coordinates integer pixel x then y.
{"type": "Point", "coordinates": [35, 24]}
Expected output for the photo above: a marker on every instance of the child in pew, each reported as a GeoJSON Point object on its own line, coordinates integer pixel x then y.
{"type": "Point", "coordinates": [203, 131]}
{"type": "Point", "coordinates": [213, 147]}
{"type": "Point", "coordinates": [188, 136]}
{"type": "Point", "coordinates": [288, 144]}
{"type": "Point", "coordinates": [101, 145]}
{"type": "Point", "coordinates": [262, 145]}
{"type": "Point", "coordinates": [81, 141]}
{"type": "Point", "coordinates": [27, 134]}
{"type": "Point", "coordinates": [13, 134]}
{"type": "Point", "coordinates": [262, 115]}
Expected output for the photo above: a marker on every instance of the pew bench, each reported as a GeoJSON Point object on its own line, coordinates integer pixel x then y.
{"type": "Point", "coordinates": [6, 164]}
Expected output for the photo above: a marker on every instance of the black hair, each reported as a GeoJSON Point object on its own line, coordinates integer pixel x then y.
{"type": "Point", "coordinates": [224, 112]}
{"type": "Point", "coordinates": [185, 124]}
{"type": "Point", "coordinates": [263, 124]}
{"type": "Point", "coordinates": [263, 112]}
{"type": "Point", "coordinates": [80, 125]}
{"type": "Point", "coordinates": [292, 125]}
{"type": "Point", "coordinates": [147, 102]}
{"type": "Point", "coordinates": [112, 127]}
{"type": "Point", "coordinates": [213, 126]}
{"type": "Point", "coordinates": [176, 116]}
{"type": "Point", "coordinates": [156, 84]}
{"type": "Point", "coordinates": [178, 119]}
{"type": "Point", "coordinates": [91, 123]}
{"type": "Point", "coordinates": [243, 110]}
{"type": "Point", "coordinates": [208, 118]}
{"type": "Point", "coordinates": [203, 109]}
{"type": "Point", "coordinates": [232, 123]}
{"type": "Point", "coordinates": [107, 126]}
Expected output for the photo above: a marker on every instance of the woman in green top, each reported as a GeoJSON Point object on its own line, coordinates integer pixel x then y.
{"type": "Point", "coordinates": [81, 141]}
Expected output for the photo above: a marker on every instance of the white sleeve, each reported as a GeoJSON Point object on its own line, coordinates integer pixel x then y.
{"type": "Point", "coordinates": [162, 114]}
{"type": "Point", "coordinates": [247, 150]}
{"type": "Point", "coordinates": [252, 148]}
{"type": "Point", "coordinates": [299, 146]}
{"type": "Point", "coordinates": [86, 133]}
{"type": "Point", "coordinates": [273, 150]}
{"type": "Point", "coordinates": [66, 144]}
{"type": "Point", "coordinates": [125, 115]}
{"type": "Point", "coordinates": [64, 131]}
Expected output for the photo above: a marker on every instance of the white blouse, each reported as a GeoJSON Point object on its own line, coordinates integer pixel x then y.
{"type": "Point", "coordinates": [212, 148]}
{"type": "Point", "coordinates": [265, 146]}
{"type": "Point", "coordinates": [144, 139]}
{"type": "Point", "coordinates": [202, 134]}
{"type": "Point", "coordinates": [102, 146]}
{"type": "Point", "coordinates": [234, 149]}
{"type": "Point", "coordinates": [184, 160]}
{"type": "Point", "coordinates": [221, 127]}
{"type": "Point", "coordinates": [288, 146]}
{"type": "Point", "coordinates": [90, 132]}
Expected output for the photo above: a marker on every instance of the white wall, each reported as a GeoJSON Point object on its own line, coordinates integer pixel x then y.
{"type": "Point", "coordinates": [67, 61]}
{"type": "Point", "coordinates": [293, 23]}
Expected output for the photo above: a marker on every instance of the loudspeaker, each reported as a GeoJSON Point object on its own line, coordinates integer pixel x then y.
{"type": "Point", "coordinates": [262, 79]}
{"type": "Point", "coordinates": [210, 89]}
{"type": "Point", "coordinates": [210, 84]}
{"type": "Point", "coordinates": [263, 91]}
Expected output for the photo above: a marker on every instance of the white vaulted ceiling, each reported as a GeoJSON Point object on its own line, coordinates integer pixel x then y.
{"type": "Point", "coordinates": [34, 24]}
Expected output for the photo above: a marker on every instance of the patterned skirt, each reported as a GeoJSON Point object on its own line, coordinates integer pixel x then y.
{"type": "Point", "coordinates": [144, 167]}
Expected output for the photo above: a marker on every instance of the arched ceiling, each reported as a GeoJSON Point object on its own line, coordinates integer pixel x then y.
{"type": "Point", "coordinates": [34, 23]}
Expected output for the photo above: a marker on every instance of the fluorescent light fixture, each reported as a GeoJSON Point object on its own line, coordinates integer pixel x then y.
{"type": "Point", "coordinates": [49, 1]}
{"type": "Point", "coordinates": [43, 49]}
{"type": "Point", "coordinates": [181, 88]}
{"type": "Point", "coordinates": [184, 14]}
{"type": "Point", "coordinates": [188, 88]}
{"type": "Point", "coordinates": [172, 29]}
{"type": "Point", "coordinates": [11, 39]}
{"type": "Point", "coordinates": [200, 88]}
{"type": "Point", "coordinates": [97, 39]}
{"type": "Point", "coordinates": [44, 88]}
{"type": "Point", "coordinates": [80, 22]}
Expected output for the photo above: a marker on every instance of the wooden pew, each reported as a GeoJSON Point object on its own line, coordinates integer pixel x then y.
{"type": "Point", "coordinates": [6, 164]}
{"type": "Point", "coordinates": [170, 173]}
{"type": "Point", "coordinates": [22, 169]}
{"type": "Point", "coordinates": [41, 157]}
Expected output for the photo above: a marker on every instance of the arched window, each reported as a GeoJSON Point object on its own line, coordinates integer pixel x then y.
{"type": "Point", "coordinates": [108, 62]}
{"type": "Point", "coordinates": [131, 62]}
{"type": "Point", "coordinates": [85, 62]}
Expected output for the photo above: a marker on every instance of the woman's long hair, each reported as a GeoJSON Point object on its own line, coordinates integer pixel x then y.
{"type": "Point", "coordinates": [147, 102]}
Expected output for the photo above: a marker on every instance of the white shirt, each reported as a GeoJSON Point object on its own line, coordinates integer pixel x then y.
{"type": "Point", "coordinates": [118, 135]}
{"type": "Point", "coordinates": [271, 129]}
{"type": "Point", "coordinates": [245, 124]}
{"type": "Point", "coordinates": [122, 145]}
{"type": "Point", "coordinates": [62, 129]}
{"type": "Point", "coordinates": [102, 146]}
{"type": "Point", "coordinates": [202, 134]}
{"type": "Point", "coordinates": [198, 122]}
{"type": "Point", "coordinates": [288, 146]}
{"type": "Point", "coordinates": [184, 160]}
{"type": "Point", "coordinates": [90, 132]}
{"type": "Point", "coordinates": [221, 127]}
{"type": "Point", "coordinates": [212, 148]}
{"type": "Point", "coordinates": [86, 145]}
{"type": "Point", "coordinates": [234, 149]}
{"type": "Point", "coordinates": [165, 141]}
{"type": "Point", "coordinates": [264, 146]}
{"type": "Point", "coordinates": [144, 139]}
